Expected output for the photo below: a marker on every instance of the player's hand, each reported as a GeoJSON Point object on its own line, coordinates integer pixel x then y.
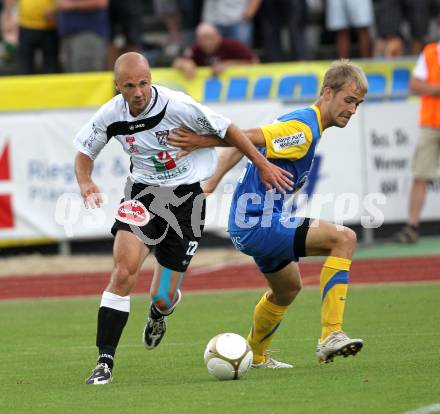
{"type": "Point", "coordinates": [209, 186]}
{"type": "Point", "coordinates": [274, 176]}
{"type": "Point", "coordinates": [185, 139]}
{"type": "Point", "coordinates": [91, 195]}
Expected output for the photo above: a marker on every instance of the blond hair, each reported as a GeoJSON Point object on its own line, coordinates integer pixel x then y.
{"type": "Point", "coordinates": [342, 72]}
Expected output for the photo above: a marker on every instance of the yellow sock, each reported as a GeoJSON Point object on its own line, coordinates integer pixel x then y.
{"type": "Point", "coordinates": [267, 319]}
{"type": "Point", "coordinates": [333, 287]}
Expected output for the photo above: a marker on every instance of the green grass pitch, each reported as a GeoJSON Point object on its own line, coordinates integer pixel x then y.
{"type": "Point", "coordinates": [47, 351]}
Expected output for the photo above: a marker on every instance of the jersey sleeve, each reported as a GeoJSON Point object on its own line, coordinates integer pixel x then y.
{"type": "Point", "coordinates": [92, 137]}
{"type": "Point", "coordinates": [288, 139]}
{"type": "Point", "coordinates": [202, 119]}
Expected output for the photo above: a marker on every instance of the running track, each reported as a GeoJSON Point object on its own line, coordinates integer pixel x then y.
{"type": "Point", "coordinates": [415, 269]}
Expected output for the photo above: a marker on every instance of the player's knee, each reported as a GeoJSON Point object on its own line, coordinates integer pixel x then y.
{"type": "Point", "coordinates": [295, 287]}
{"type": "Point", "coordinates": [122, 271]}
{"type": "Point", "coordinates": [350, 238]}
{"type": "Point", "coordinates": [345, 238]}
{"type": "Point", "coordinates": [294, 290]}
{"type": "Point", "coordinates": [287, 296]}
{"type": "Point", "coordinates": [122, 276]}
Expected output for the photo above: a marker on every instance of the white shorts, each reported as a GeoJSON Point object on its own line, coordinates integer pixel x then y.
{"type": "Point", "coordinates": [342, 14]}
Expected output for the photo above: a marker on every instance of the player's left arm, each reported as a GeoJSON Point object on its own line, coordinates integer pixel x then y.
{"type": "Point", "coordinates": [288, 139]}
{"type": "Point", "coordinates": [227, 159]}
{"type": "Point", "coordinates": [188, 140]}
{"type": "Point", "coordinates": [204, 120]}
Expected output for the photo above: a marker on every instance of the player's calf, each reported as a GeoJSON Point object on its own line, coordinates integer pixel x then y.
{"type": "Point", "coordinates": [156, 325]}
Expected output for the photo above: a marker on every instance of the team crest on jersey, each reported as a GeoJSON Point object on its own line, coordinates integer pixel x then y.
{"type": "Point", "coordinates": [163, 162]}
{"type": "Point", "coordinates": [162, 136]}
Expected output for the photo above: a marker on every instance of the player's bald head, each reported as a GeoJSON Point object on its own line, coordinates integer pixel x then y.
{"type": "Point", "coordinates": [128, 62]}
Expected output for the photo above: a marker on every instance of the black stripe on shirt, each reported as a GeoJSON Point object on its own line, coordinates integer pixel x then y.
{"type": "Point", "coordinates": [156, 95]}
{"type": "Point", "coordinates": [127, 128]}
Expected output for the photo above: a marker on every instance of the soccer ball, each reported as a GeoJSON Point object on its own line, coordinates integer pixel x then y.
{"type": "Point", "coordinates": [228, 356]}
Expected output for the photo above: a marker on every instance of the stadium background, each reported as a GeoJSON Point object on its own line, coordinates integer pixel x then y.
{"type": "Point", "coordinates": [41, 208]}
{"type": "Point", "coordinates": [399, 320]}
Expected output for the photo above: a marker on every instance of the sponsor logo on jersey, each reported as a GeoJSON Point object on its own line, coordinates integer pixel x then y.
{"type": "Point", "coordinates": [133, 212]}
{"type": "Point", "coordinates": [136, 126]}
{"type": "Point", "coordinates": [289, 141]}
{"type": "Point", "coordinates": [162, 136]}
{"type": "Point", "coordinates": [168, 175]}
{"type": "Point", "coordinates": [163, 161]}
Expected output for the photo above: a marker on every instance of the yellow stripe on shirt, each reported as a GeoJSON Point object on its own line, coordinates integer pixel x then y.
{"type": "Point", "coordinates": [288, 139]}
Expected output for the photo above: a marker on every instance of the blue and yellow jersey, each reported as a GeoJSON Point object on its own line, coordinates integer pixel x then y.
{"type": "Point", "coordinates": [290, 144]}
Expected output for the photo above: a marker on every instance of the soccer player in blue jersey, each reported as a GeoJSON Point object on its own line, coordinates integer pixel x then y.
{"type": "Point", "coordinates": [260, 226]}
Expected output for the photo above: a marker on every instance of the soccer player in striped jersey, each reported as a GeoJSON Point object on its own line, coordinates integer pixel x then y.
{"type": "Point", "coordinates": [164, 206]}
{"type": "Point", "coordinates": [260, 226]}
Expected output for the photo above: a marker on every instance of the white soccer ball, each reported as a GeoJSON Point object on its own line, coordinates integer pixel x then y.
{"type": "Point", "coordinates": [228, 356]}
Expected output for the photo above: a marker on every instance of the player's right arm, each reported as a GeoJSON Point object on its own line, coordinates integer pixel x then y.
{"type": "Point", "coordinates": [89, 141]}
{"type": "Point", "coordinates": [287, 139]}
{"type": "Point", "coordinates": [227, 159]}
{"type": "Point", "coordinates": [89, 190]}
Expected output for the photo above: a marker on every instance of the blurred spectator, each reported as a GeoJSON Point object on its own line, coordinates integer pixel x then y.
{"type": "Point", "coordinates": [425, 81]}
{"type": "Point", "coordinates": [342, 15]}
{"type": "Point", "coordinates": [277, 14]}
{"type": "Point", "coordinates": [191, 12]}
{"type": "Point", "coordinates": [37, 35]}
{"type": "Point", "coordinates": [84, 30]}
{"type": "Point", "coordinates": [211, 49]}
{"type": "Point", "coordinates": [233, 18]}
{"type": "Point", "coordinates": [390, 19]}
{"type": "Point", "coordinates": [8, 39]}
{"type": "Point", "coordinates": [125, 20]}
{"type": "Point", "coordinates": [170, 13]}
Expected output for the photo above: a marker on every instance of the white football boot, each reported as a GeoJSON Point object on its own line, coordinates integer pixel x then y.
{"type": "Point", "coordinates": [337, 344]}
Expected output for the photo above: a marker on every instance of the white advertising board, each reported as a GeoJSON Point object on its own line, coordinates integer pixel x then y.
{"type": "Point", "coordinates": [40, 160]}
{"type": "Point", "coordinates": [391, 133]}
{"type": "Point", "coordinates": [39, 197]}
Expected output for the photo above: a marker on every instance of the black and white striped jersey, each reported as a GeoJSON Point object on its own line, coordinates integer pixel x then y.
{"type": "Point", "coordinates": [144, 137]}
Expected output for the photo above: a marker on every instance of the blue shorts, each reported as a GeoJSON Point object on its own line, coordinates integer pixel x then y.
{"type": "Point", "coordinates": [272, 247]}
